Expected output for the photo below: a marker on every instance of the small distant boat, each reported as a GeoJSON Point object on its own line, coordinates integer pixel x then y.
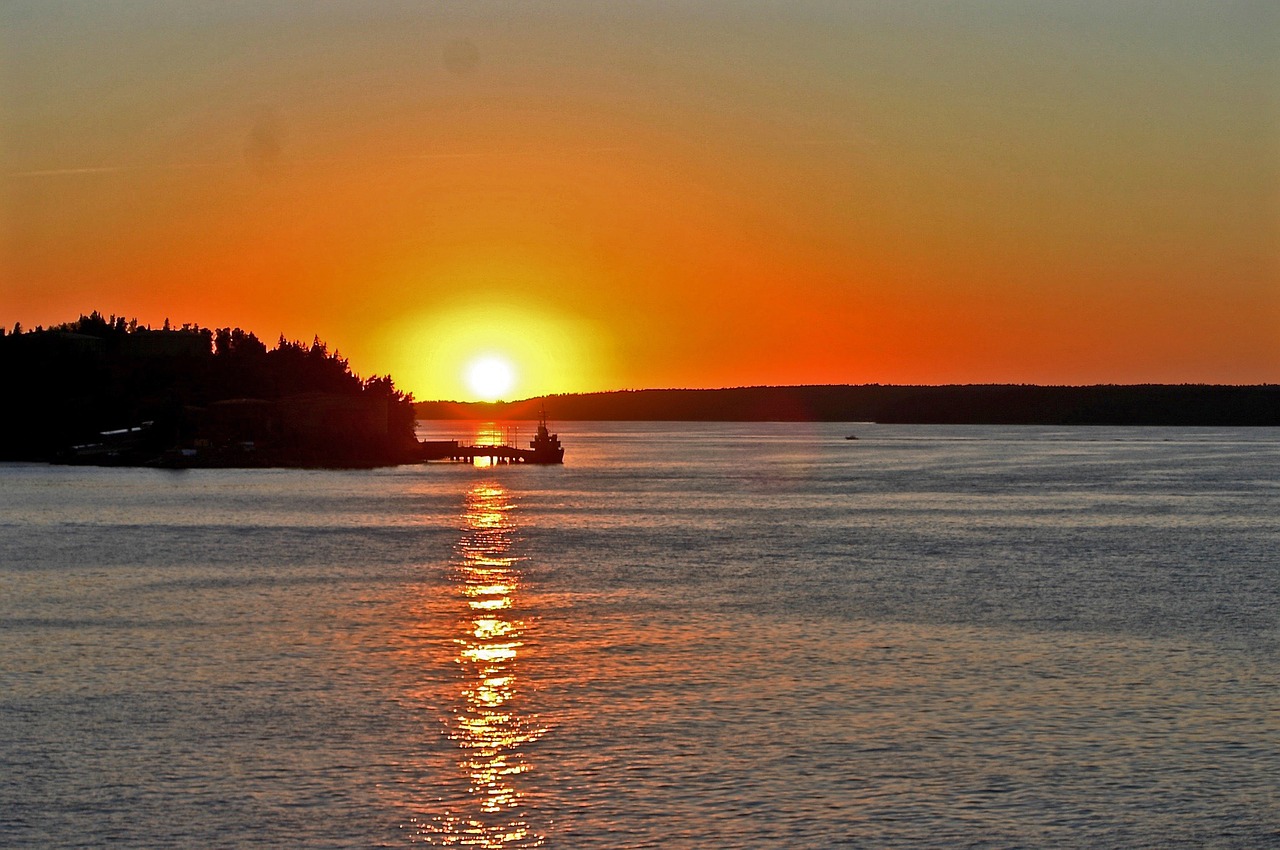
{"type": "Point", "coordinates": [852, 437]}
{"type": "Point", "coordinates": [546, 446]}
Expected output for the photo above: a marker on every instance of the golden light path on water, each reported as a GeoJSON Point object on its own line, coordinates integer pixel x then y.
{"type": "Point", "coordinates": [493, 434]}
{"type": "Point", "coordinates": [488, 729]}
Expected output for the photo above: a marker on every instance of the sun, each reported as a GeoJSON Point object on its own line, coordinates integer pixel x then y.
{"type": "Point", "coordinates": [490, 377]}
{"type": "Point", "coordinates": [436, 354]}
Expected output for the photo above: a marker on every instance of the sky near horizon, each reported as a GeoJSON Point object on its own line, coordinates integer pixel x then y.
{"type": "Point", "coordinates": [660, 194]}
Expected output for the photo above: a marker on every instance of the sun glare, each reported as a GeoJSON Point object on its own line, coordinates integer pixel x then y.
{"type": "Point", "coordinates": [437, 355]}
{"type": "Point", "coordinates": [490, 377]}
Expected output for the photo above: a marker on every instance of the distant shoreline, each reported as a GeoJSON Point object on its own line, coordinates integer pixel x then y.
{"type": "Point", "coordinates": [986, 404]}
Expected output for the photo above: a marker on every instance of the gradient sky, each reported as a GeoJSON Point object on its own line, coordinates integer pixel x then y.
{"type": "Point", "coordinates": [659, 194]}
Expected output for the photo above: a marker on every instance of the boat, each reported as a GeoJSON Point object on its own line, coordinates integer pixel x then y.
{"type": "Point", "coordinates": [545, 446]}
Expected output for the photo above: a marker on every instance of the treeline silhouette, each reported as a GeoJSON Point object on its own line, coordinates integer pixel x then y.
{"type": "Point", "coordinates": [192, 395]}
{"type": "Point", "coordinates": [1004, 404]}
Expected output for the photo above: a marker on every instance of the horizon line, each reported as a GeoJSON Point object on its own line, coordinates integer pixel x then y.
{"type": "Point", "coordinates": [994, 384]}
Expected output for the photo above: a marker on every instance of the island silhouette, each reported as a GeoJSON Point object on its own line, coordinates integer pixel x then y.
{"type": "Point", "coordinates": [108, 391]}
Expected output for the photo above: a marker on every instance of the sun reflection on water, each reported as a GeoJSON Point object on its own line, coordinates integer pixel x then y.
{"type": "Point", "coordinates": [487, 726]}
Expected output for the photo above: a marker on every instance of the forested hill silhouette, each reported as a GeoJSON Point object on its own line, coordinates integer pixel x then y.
{"type": "Point", "coordinates": [1149, 404]}
{"type": "Point", "coordinates": [192, 396]}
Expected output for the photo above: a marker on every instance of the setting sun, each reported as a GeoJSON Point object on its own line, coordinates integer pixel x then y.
{"type": "Point", "coordinates": [490, 377]}
{"type": "Point", "coordinates": [438, 354]}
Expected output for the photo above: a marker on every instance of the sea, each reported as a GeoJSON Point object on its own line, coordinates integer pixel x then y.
{"type": "Point", "coordinates": [713, 635]}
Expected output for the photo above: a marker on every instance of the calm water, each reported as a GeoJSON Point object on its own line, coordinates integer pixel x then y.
{"type": "Point", "coordinates": [707, 636]}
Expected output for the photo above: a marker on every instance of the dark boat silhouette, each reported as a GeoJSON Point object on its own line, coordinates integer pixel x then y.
{"type": "Point", "coordinates": [545, 445]}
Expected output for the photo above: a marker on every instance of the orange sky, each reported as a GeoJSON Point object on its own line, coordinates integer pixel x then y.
{"type": "Point", "coordinates": [660, 194]}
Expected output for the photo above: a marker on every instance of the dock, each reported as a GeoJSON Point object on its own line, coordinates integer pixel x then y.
{"type": "Point", "coordinates": [496, 453]}
{"type": "Point", "coordinates": [544, 448]}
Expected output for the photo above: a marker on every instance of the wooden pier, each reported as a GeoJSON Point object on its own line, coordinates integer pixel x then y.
{"type": "Point", "coordinates": [544, 448]}
{"type": "Point", "coordinates": [452, 450]}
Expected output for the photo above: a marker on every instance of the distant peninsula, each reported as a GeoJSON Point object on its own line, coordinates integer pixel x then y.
{"type": "Point", "coordinates": [106, 391]}
{"type": "Point", "coordinates": [994, 404]}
